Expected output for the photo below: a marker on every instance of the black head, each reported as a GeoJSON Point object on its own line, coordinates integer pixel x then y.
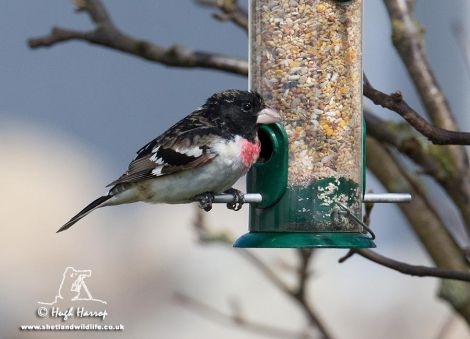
{"type": "Point", "coordinates": [238, 111]}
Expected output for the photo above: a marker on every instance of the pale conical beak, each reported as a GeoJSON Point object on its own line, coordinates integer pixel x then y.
{"type": "Point", "coordinates": [268, 116]}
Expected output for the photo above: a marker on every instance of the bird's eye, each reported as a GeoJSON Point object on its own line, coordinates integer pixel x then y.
{"type": "Point", "coordinates": [246, 107]}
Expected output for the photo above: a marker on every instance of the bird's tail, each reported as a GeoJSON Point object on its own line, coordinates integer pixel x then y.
{"type": "Point", "coordinates": [91, 207]}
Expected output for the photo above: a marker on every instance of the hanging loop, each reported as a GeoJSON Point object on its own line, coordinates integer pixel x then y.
{"type": "Point", "coordinates": [356, 219]}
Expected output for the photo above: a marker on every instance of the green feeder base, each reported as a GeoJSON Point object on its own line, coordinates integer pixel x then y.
{"type": "Point", "coordinates": [304, 240]}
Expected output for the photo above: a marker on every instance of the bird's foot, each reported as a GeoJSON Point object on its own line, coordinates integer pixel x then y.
{"type": "Point", "coordinates": [239, 200]}
{"type": "Point", "coordinates": [205, 200]}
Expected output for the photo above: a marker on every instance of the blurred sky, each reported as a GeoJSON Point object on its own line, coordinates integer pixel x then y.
{"type": "Point", "coordinates": [72, 116]}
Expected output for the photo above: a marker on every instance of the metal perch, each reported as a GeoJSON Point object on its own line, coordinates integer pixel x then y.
{"type": "Point", "coordinates": [254, 198]}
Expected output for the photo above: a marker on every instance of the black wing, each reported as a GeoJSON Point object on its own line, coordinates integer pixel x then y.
{"type": "Point", "coordinates": [184, 146]}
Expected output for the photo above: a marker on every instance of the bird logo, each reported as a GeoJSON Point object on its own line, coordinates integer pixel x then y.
{"type": "Point", "coordinates": [73, 287]}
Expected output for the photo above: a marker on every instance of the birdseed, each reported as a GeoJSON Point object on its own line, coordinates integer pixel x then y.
{"type": "Point", "coordinates": [306, 62]}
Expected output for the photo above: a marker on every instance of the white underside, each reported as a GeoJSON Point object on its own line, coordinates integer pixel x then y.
{"type": "Point", "coordinates": [216, 176]}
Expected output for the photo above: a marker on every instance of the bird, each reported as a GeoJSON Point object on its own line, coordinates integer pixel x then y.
{"type": "Point", "coordinates": [203, 154]}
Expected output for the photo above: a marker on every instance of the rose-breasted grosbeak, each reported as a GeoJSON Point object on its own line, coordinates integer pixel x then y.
{"type": "Point", "coordinates": [201, 155]}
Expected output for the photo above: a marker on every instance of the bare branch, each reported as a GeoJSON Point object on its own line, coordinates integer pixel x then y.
{"type": "Point", "coordinates": [408, 36]}
{"type": "Point", "coordinates": [234, 319]}
{"type": "Point", "coordinates": [207, 235]}
{"type": "Point", "coordinates": [414, 270]}
{"type": "Point", "coordinates": [98, 13]}
{"type": "Point", "coordinates": [431, 158]}
{"type": "Point", "coordinates": [409, 144]}
{"type": "Point", "coordinates": [435, 161]}
{"type": "Point", "coordinates": [303, 272]}
{"type": "Point", "coordinates": [396, 103]}
{"type": "Point", "coordinates": [426, 223]}
{"type": "Point", "coordinates": [348, 255]}
{"type": "Point", "coordinates": [263, 268]}
{"type": "Point", "coordinates": [59, 35]}
{"type": "Point", "coordinates": [298, 294]}
{"type": "Point", "coordinates": [230, 10]}
{"type": "Point", "coordinates": [107, 35]}
{"type": "Point", "coordinates": [368, 207]}
{"type": "Point", "coordinates": [405, 268]}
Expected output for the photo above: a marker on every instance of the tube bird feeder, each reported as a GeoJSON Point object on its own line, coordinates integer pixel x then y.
{"type": "Point", "coordinates": [306, 61]}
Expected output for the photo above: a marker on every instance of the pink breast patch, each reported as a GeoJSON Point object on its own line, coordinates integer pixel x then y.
{"type": "Point", "coordinates": [250, 152]}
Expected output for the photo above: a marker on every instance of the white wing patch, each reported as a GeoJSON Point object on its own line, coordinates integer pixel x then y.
{"type": "Point", "coordinates": [160, 162]}
{"type": "Point", "coordinates": [154, 156]}
{"type": "Point", "coordinates": [190, 152]}
{"type": "Point", "coordinates": [157, 171]}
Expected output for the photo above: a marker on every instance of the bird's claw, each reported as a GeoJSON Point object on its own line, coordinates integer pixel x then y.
{"type": "Point", "coordinates": [205, 200]}
{"type": "Point", "coordinates": [238, 197]}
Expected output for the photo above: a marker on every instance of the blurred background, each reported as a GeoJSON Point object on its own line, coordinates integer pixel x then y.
{"type": "Point", "coordinates": [71, 118]}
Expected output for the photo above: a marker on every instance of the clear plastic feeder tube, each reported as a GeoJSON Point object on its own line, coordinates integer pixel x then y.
{"type": "Point", "coordinates": [305, 60]}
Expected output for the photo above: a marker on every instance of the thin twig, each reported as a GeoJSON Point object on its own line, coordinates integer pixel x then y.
{"type": "Point", "coordinates": [348, 255]}
{"type": "Point", "coordinates": [230, 10]}
{"type": "Point", "coordinates": [433, 165]}
{"type": "Point", "coordinates": [108, 35]}
{"type": "Point", "coordinates": [303, 272]}
{"type": "Point", "coordinates": [298, 294]}
{"type": "Point", "coordinates": [396, 103]}
{"type": "Point", "coordinates": [405, 268]}
{"type": "Point", "coordinates": [433, 159]}
{"type": "Point", "coordinates": [428, 225]}
{"type": "Point", "coordinates": [368, 207]}
{"type": "Point", "coordinates": [408, 39]}
{"type": "Point", "coordinates": [265, 270]}
{"type": "Point", "coordinates": [301, 296]}
{"type": "Point", "coordinates": [410, 144]}
{"type": "Point", "coordinates": [414, 270]}
{"type": "Point", "coordinates": [234, 319]}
